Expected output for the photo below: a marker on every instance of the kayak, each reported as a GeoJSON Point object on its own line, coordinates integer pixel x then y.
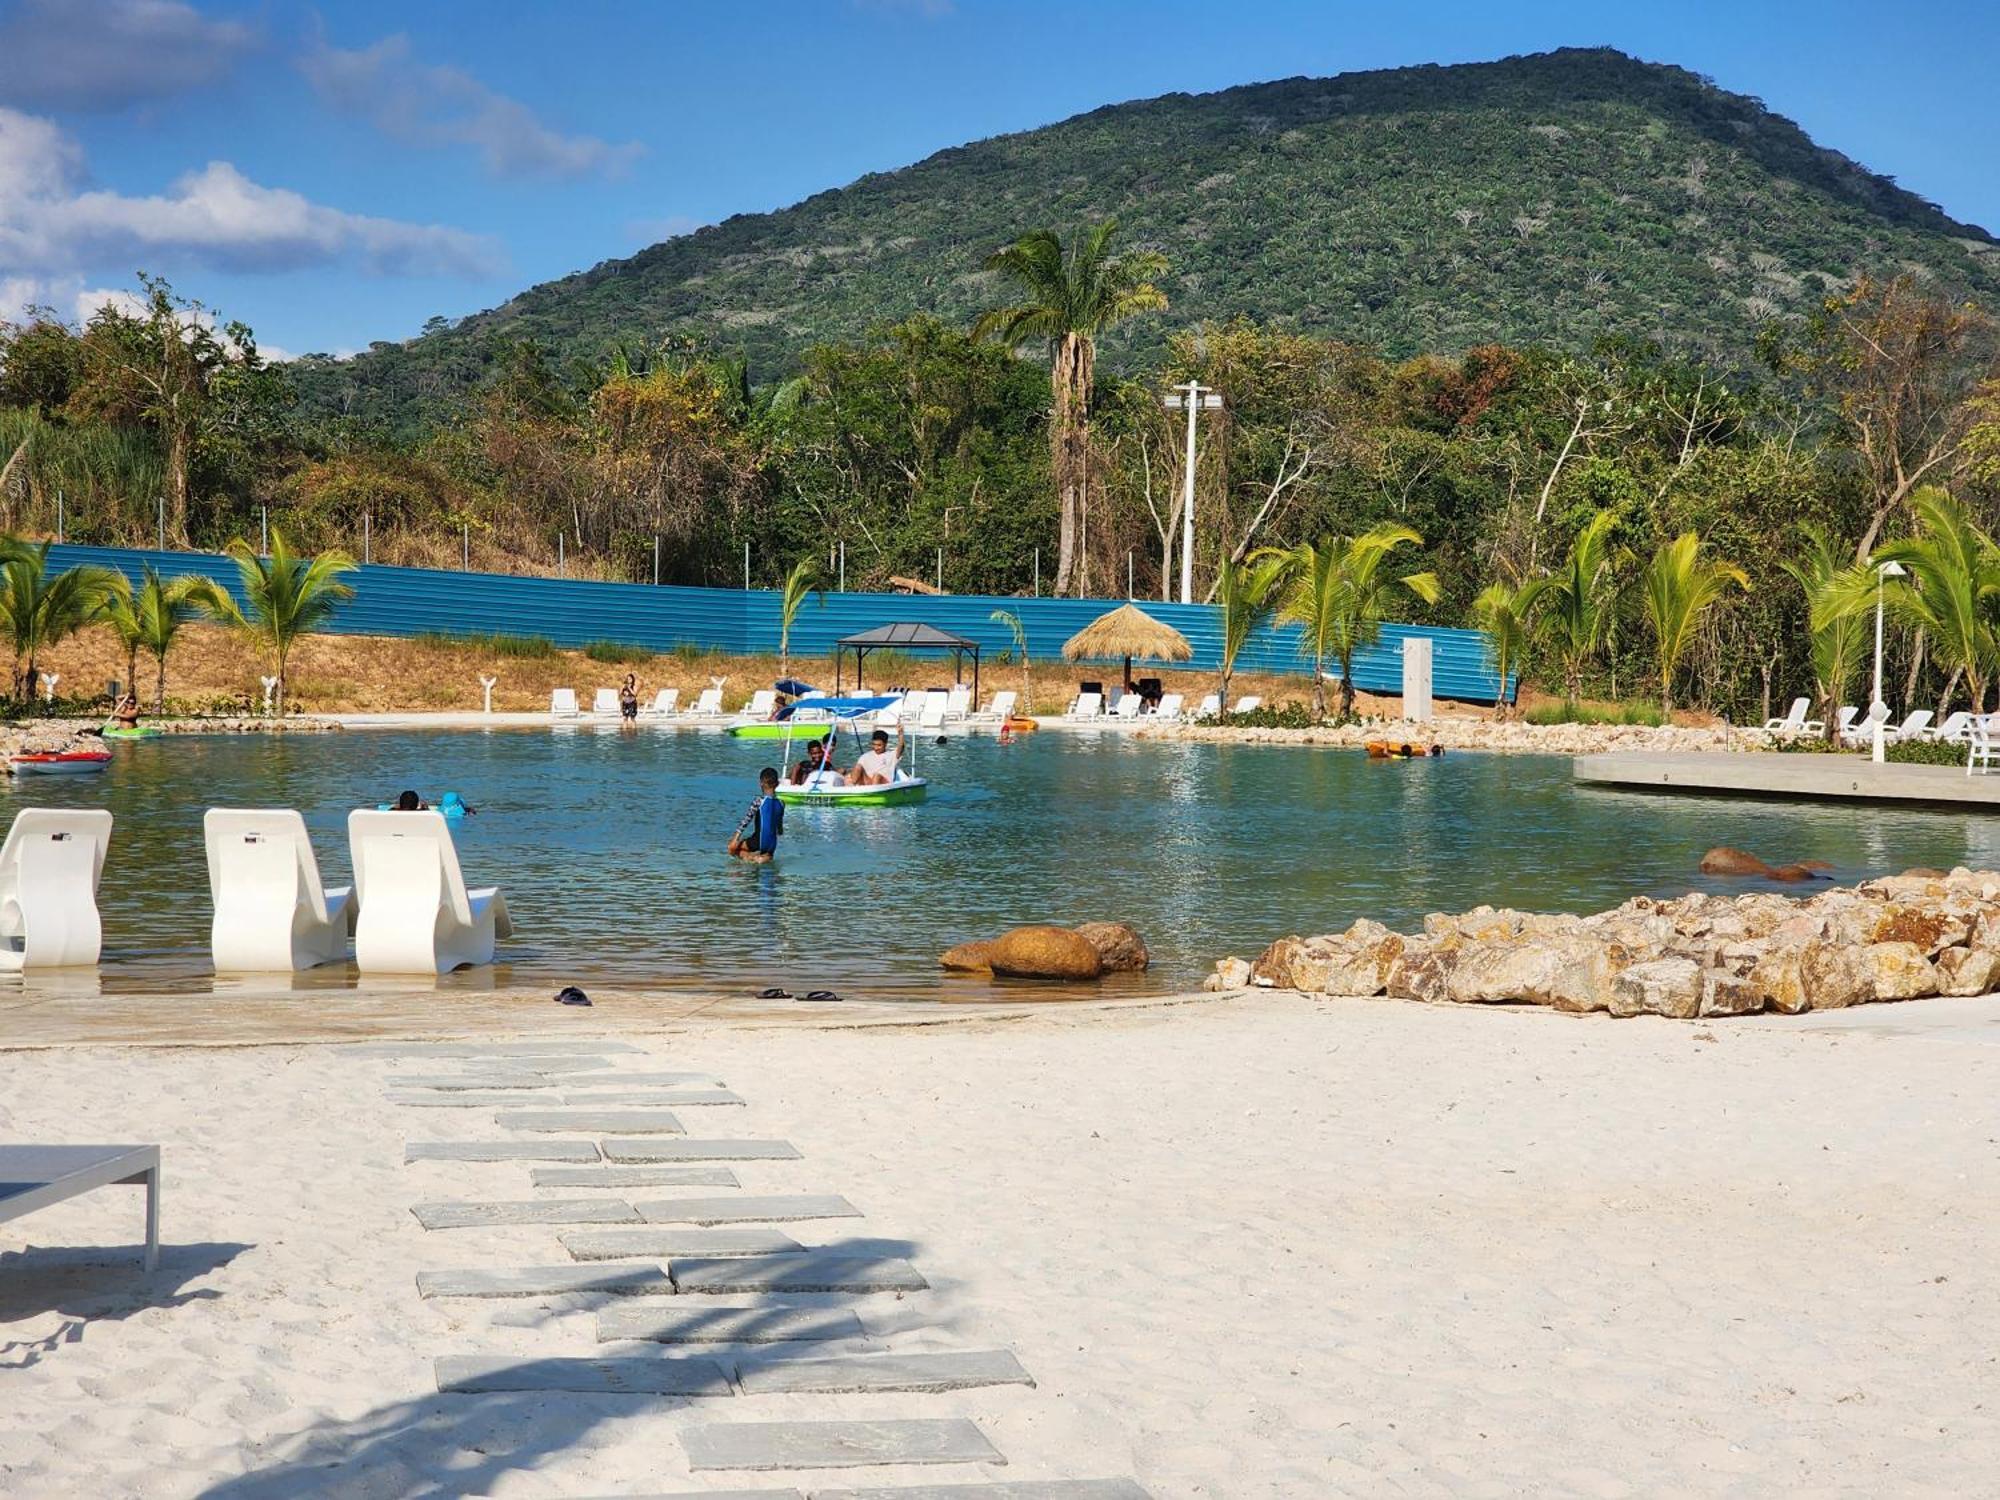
{"type": "Point", "coordinates": [1021, 726]}
{"type": "Point", "coordinates": [778, 729]}
{"type": "Point", "coordinates": [66, 763]}
{"type": "Point", "coordinates": [894, 794]}
{"type": "Point", "coordinates": [135, 732]}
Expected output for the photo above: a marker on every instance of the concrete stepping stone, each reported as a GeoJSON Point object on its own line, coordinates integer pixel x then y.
{"type": "Point", "coordinates": [788, 1207]}
{"type": "Point", "coordinates": [645, 1080]}
{"type": "Point", "coordinates": [650, 1375]}
{"type": "Point", "coordinates": [565, 1064]}
{"type": "Point", "coordinates": [930, 1372]}
{"type": "Point", "coordinates": [499, 1151]}
{"type": "Point", "coordinates": [631, 1177]}
{"type": "Point", "coordinates": [535, 1211]}
{"type": "Point", "coordinates": [448, 1099]}
{"type": "Point", "coordinates": [563, 1045]}
{"type": "Point", "coordinates": [693, 1150]}
{"type": "Point", "coordinates": [712, 1495]}
{"type": "Point", "coordinates": [807, 1271]}
{"type": "Point", "coordinates": [598, 1121]}
{"type": "Point", "coordinates": [836, 1445]}
{"type": "Point", "coordinates": [461, 1082]}
{"type": "Point", "coordinates": [659, 1244]}
{"type": "Point", "coordinates": [665, 1098]}
{"type": "Point", "coordinates": [1006, 1489]}
{"type": "Point", "coordinates": [546, 1281]}
{"type": "Point", "coordinates": [728, 1325]}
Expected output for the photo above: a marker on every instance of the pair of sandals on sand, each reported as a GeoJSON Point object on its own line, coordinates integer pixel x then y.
{"type": "Point", "coordinates": [818, 997]}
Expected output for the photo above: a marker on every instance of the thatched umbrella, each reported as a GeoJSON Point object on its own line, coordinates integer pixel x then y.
{"type": "Point", "coordinates": [1127, 632]}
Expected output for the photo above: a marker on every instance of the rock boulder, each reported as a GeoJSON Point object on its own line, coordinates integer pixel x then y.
{"type": "Point", "coordinates": [1120, 949]}
{"type": "Point", "coordinates": [1043, 953]}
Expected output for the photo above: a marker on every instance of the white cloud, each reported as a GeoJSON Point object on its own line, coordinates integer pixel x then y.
{"type": "Point", "coordinates": [215, 216]}
{"type": "Point", "coordinates": [107, 54]}
{"type": "Point", "coordinates": [421, 105]}
{"type": "Point", "coordinates": [67, 295]}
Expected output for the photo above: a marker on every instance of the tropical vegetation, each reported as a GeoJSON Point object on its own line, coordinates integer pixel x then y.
{"type": "Point", "coordinates": [285, 596]}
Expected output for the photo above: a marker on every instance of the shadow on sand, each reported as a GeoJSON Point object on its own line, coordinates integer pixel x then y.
{"type": "Point", "coordinates": [97, 1285]}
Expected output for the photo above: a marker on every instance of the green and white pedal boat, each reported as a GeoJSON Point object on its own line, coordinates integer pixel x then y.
{"type": "Point", "coordinates": [898, 793]}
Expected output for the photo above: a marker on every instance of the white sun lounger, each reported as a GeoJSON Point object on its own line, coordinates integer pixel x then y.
{"type": "Point", "coordinates": [1954, 727]}
{"type": "Point", "coordinates": [33, 1177]}
{"type": "Point", "coordinates": [761, 704]}
{"type": "Point", "coordinates": [958, 703]}
{"type": "Point", "coordinates": [931, 714]}
{"type": "Point", "coordinates": [1844, 721]}
{"type": "Point", "coordinates": [1979, 744]}
{"type": "Point", "coordinates": [707, 706]}
{"type": "Point", "coordinates": [1170, 707]}
{"type": "Point", "coordinates": [562, 704]}
{"type": "Point", "coordinates": [1002, 706]}
{"type": "Point", "coordinates": [1247, 703]}
{"type": "Point", "coordinates": [1127, 706]}
{"type": "Point", "coordinates": [662, 705]}
{"type": "Point", "coordinates": [1862, 731]}
{"type": "Point", "coordinates": [49, 870]}
{"type": "Point", "coordinates": [604, 704]}
{"type": "Point", "coordinates": [417, 917]}
{"type": "Point", "coordinates": [271, 913]}
{"type": "Point", "coordinates": [1794, 721]}
{"type": "Point", "coordinates": [1086, 706]}
{"type": "Point", "coordinates": [1912, 727]}
{"type": "Point", "coordinates": [1209, 707]}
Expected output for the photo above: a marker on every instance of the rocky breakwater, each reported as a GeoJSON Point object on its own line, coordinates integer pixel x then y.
{"type": "Point", "coordinates": [1462, 733]}
{"type": "Point", "coordinates": [43, 737]}
{"type": "Point", "coordinates": [1900, 937]}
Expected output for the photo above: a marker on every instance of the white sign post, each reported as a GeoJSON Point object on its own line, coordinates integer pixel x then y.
{"type": "Point", "coordinates": [487, 683]}
{"type": "Point", "coordinates": [1417, 679]}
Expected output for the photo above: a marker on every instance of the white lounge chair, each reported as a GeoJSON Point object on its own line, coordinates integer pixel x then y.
{"type": "Point", "coordinates": [271, 913]}
{"type": "Point", "coordinates": [417, 917]}
{"type": "Point", "coordinates": [562, 704]}
{"type": "Point", "coordinates": [1002, 706]}
{"type": "Point", "coordinates": [33, 1177]}
{"type": "Point", "coordinates": [1247, 704]}
{"type": "Point", "coordinates": [1956, 726]}
{"type": "Point", "coordinates": [1912, 727]}
{"type": "Point", "coordinates": [1086, 706]}
{"type": "Point", "coordinates": [1979, 744]}
{"type": "Point", "coordinates": [1170, 707]}
{"type": "Point", "coordinates": [1208, 708]}
{"type": "Point", "coordinates": [931, 714]}
{"type": "Point", "coordinates": [604, 704]}
{"type": "Point", "coordinates": [958, 702]}
{"type": "Point", "coordinates": [49, 870]}
{"type": "Point", "coordinates": [1794, 721]}
{"type": "Point", "coordinates": [1127, 706]}
{"type": "Point", "coordinates": [1844, 721]}
{"type": "Point", "coordinates": [1862, 731]}
{"type": "Point", "coordinates": [707, 706]}
{"type": "Point", "coordinates": [763, 703]}
{"type": "Point", "coordinates": [663, 703]}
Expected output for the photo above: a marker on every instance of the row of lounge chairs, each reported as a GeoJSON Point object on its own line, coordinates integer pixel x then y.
{"type": "Point", "coordinates": [1976, 732]}
{"type": "Point", "coordinates": [933, 708]}
{"type": "Point", "coordinates": [409, 910]}
{"type": "Point", "coordinates": [1090, 705]}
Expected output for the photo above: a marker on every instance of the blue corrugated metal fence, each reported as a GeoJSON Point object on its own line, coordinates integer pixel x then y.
{"type": "Point", "coordinates": [575, 612]}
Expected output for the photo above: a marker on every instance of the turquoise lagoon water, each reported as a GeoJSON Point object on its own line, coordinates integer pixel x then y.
{"type": "Point", "coordinates": [608, 843]}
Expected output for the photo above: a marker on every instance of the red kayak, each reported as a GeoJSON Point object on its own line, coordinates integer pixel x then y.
{"type": "Point", "coordinates": [58, 763]}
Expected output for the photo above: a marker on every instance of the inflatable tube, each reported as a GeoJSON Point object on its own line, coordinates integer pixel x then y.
{"type": "Point", "coordinates": [1395, 750]}
{"type": "Point", "coordinates": [1021, 726]}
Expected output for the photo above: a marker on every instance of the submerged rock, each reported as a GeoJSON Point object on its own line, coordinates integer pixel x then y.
{"type": "Point", "coordinates": [969, 958]}
{"type": "Point", "coordinates": [1043, 953]}
{"type": "Point", "coordinates": [1120, 949]}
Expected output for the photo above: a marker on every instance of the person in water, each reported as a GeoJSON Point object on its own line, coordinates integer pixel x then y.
{"type": "Point", "coordinates": [410, 802]}
{"type": "Point", "coordinates": [756, 837]}
{"type": "Point", "coordinates": [628, 699]}
{"type": "Point", "coordinates": [126, 714]}
{"type": "Point", "coordinates": [876, 766]}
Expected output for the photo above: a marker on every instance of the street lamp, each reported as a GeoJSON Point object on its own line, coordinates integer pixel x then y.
{"type": "Point", "coordinates": [1878, 710]}
{"type": "Point", "coordinates": [1191, 398]}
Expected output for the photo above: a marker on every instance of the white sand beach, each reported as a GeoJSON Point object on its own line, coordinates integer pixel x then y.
{"type": "Point", "coordinates": [1253, 1247]}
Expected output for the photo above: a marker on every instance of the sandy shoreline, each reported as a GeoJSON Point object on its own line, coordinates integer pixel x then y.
{"type": "Point", "coordinates": [1265, 1247]}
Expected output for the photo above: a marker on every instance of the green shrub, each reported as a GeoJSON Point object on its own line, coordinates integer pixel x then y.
{"type": "Point", "coordinates": [1923, 753]}
{"type": "Point", "coordinates": [1583, 713]}
{"type": "Point", "coordinates": [523, 646]}
{"type": "Point", "coordinates": [612, 651]}
{"type": "Point", "coordinates": [1280, 716]}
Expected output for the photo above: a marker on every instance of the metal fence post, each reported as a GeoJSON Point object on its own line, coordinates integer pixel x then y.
{"type": "Point", "coordinates": [1128, 575]}
{"type": "Point", "coordinates": [161, 501]}
{"type": "Point", "coordinates": [562, 561]}
{"type": "Point", "coordinates": [465, 549]}
{"type": "Point", "coordinates": [367, 539]}
{"type": "Point", "coordinates": [940, 573]}
{"type": "Point", "coordinates": [746, 567]}
{"type": "Point", "coordinates": [59, 515]}
{"type": "Point", "coordinates": [656, 559]}
{"type": "Point", "coordinates": [843, 565]}
{"type": "Point", "coordinates": [1038, 572]}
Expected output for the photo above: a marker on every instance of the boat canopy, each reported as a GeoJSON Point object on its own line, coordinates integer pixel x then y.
{"type": "Point", "coordinates": [839, 708]}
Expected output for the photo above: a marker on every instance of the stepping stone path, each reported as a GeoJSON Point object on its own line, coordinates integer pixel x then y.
{"type": "Point", "coordinates": [792, 1208]}
{"type": "Point", "coordinates": [658, 1333]}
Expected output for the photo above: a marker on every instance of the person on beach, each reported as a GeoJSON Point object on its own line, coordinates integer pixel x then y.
{"type": "Point", "coordinates": [876, 766]}
{"type": "Point", "coordinates": [756, 837]}
{"type": "Point", "coordinates": [628, 699]}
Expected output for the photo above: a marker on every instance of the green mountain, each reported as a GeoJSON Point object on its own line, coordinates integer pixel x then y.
{"type": "Point", "coordinates": [1554, 198]}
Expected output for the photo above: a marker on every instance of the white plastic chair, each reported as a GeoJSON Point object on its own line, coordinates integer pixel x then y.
{"type": "Point", "coordinates": [1246, 703]}
{"type": "Point", "coordinates": [605, 703]}
{"type": "Point", "coordinates": [271, 913]}
{"type": "Point", "coordinates": [1128, 706]}
{"type": "Point", "coordinates": [1956, 726]}
{"type": "Point", "coordinates": [1170, 707]}
{"type": "Point", "coordinates": [1002, 706]}
{"type": "Point", "coordinates": [1086, 706]}
{"type": "Point", "coordinates": [562, 704]}
{"type": "Point", "coordinates": [417, 917]}
{"type": "Point", "coordinates": [931, 714]}
{"type": "Point", "coordinates": [958, 702]}
{"type": "Point", "coordinates": [1209, 707]}
{"type": "Point", "coordinates": [1862, 731]}
{"type": "Point", "coordinates": [1912, 727]}
{"type": "Point", "coordinates": [663, 703]}
{"type": "Point", "coordinates": [1979, 744]}
{"type": "Point", "coordinates": [761, 704]}
{"type": "Point", "coordinates": [1844, 721]}
{"type": "Point", "coordinates": [708, 705]}
{"type": "Point", "coordinates": [1794, 721]}
{"type": "Point", "coordinates": [49, 869]}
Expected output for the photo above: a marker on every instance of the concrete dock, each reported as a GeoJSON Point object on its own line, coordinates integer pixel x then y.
{"type": "Point", "coordinates": [1842, 778]}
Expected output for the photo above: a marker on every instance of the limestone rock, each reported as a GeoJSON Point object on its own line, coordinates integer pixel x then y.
{"type": "Point", "coordinates": [1777, 978]}
{"type": "Point", "coordinates": [1582, 980]}
{"type": "Point", "coordinates": [1833, 976]}
{"type": "Point", "coordinates": [1658, 987]}
{"type": "Point", "coordinates": [1119, 947]}
{"type": "Point", "coordinates": [1230, 974]}
{"type": "Point", "coordinates": [1968, 971]}
{"type": "Point", "coordinates": [1500, 973]}
{"type": "Point", "coordinates": [1898, 971]}
{"type": "Point", "coordinates": [1043, 953]}
{"type": "Point", "coordinates": [969, 958]}
{"type": "Point", "coordinates": [1727, 994]}
{"type": "Point", "coordinates": [1422, 971]}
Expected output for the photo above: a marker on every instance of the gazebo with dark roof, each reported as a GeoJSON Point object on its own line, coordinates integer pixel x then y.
{"type": "Point", "coordinates": [907, 635]}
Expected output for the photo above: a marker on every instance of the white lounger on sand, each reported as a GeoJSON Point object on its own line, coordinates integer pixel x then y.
{"type": "Point", "coordinates": [1956, 726]}
{"type": "Point", "coordinates": [708, 705]}
{"type": "Point", "coordinates": [663, 704]}
{"type": "Point", "coordinates": [1794, 721]}
{"type": "Point", "coordinates": [1170, 707]}
{"type": "Point", "coordinates": [1086, 706]}
{"type": "Point", "coordinates": [1912, 727]}
{"type": "Point", "coordinates": [562, 703]}
{"type": "Point", "coordinates": [271, 913]}
{"type": "Point", "coordinates": [1002, 706]}
{"type": "Point", "coordinates": [1208, 708]}
{"type": "Point", "coordinates": [1862, 731]}
{"type": "Point", "coordinates": [958, 702]}
{"type": "Point", "coordinates": [763, 703]}
{"type": "Point", "coordinates": [1247, 703]}
{"type": "Point", "coordinates": [417, 917]}
{"type": "Point", "coordinates": [33, 1177]}
{"type": "Point", "coordinates": [49, 869]}
{"type": "Point", "coordinates": [1127, 706]}
{"type": "Point", "coordinates": [604, 703]}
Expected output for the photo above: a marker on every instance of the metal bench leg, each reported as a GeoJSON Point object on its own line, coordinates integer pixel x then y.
{"type": "Point", "coordinates": [152, 1260]}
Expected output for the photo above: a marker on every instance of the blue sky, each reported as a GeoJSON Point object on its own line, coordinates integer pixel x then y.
{"type": "Point", "coordinates": [337, 174]}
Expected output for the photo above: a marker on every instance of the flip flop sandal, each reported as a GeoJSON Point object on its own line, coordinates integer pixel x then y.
{"type": "Point", "coordinates": [774, 993]}
{"type": "Point", "coordinates": [824, 997]}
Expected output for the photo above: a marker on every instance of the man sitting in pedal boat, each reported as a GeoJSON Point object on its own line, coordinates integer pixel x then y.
{"type": "Point", "coordinates": [876, 766]}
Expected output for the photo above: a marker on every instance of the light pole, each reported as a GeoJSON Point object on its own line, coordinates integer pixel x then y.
{"type": "Point", "coordinates": [1192, 397]}
{"type": "Point", "coordinates": [1877, 709]}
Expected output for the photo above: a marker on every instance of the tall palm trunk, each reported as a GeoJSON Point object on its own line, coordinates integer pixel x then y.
{"type": "Point", "coordinates": [160, 686]}
{"type": "Point", "coordinates": [1070, 376]}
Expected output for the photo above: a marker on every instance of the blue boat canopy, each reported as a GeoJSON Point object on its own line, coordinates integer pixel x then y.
{"type": "Point", "coordinates": [840, 708]}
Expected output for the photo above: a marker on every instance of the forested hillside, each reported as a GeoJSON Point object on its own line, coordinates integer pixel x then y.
{"type": "Point", "coordinates": [1551, 199]}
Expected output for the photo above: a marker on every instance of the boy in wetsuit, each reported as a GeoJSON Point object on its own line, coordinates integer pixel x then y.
{"type": "Point", "coordinates": [756, 837]}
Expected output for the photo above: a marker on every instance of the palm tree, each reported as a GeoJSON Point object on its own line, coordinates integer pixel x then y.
{"type": "Point", "coordinates": [1953, 583]}
{"type": "Point", "coordinates": [1680, 586]}
{"type": "Point", "coordinates": [1581, 598]}
{"type": "Point", "coordinates": [286, 596]}
{"type": "Point", "coordinates": [802, 580]}
{"type": "Point", "coordinates": [1068, 299]}
{"type": "Point", "coordinates": [38, 610]}
{"type": "Point", "coordinates": [149, 620]}
{"type": "Point", "coordinates": [1508, 616]}
{"type": "Point", "coordinates": [1020, 632]}
{"type": "Point", "coordinates": [1246, 593]}
{"type": "Point", "coordinates": [1337, 591]}
{"type": "Point", "coordinates": [1827, 575]}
